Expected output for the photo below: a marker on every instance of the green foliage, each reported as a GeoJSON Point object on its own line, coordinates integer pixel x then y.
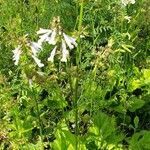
{"type": "Point", "coordinates": [140, 140]}
{"type": "Point", "coordinates": [99, 99]}
{"type": "Point", "coordinates": [102, 134]}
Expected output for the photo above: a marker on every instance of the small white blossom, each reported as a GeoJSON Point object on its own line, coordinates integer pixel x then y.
{"type": "Point", "coordinates": [52, 54]}
{"type": "Point", "coordinates": [35, 47]}
{"type": "Point", "coordinates": [132, 1]}
{"type": "Point", "coordinates": [43, 35]}
{"type": "Point", "coordinates": [126, 2]}
{"type": "Point", "coordinates": [43, 31]}
{"type": "Point", "coordinates": [65, 52]}
{"type": "Point", "coordinates": [51, 39]}
{"type": "Point", "coordinates": [43, 38]}
{"type": "Point", "coordinates": [38, 61]}
{"type": "Point", "coordinates": [30, 83]}
{"type": "Point", "coordinates": [16, 56]}
{"type": "Point", "coordinates": [47, 35]}
{"type": "Point", "coordinates": [71, 42]}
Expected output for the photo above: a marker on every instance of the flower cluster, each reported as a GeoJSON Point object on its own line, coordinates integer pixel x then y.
{"type": "Point", "coordinates": [49, 36]}
{"type": "Point", "coordinates": [126, 2]}
{"type": "Point", "coordinates": [35, 47]}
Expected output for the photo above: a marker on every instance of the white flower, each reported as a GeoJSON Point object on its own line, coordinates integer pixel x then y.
{"type": "Point", "coordinates": [52, 54]}
{"type": "Point", "coordinates": [47, 35]}
{"type": "Point", "coordinates": [43, 38]}
{"type": "Point", "coordinates": [44, 34]}
{"type": "Point", "coordinates": [35, 47]}
{"type": "Point", "coordinates": [38, 61]}
{"type": "Point", "coordinates": [71, 42]}
{"type": "Point", "coordinates": [51, 39]}
{"type": "Point", "coordinates": [30, 82]}
{"type": "Point", "coordinates": [16, 56]}
{"type": "Point", "coordinates": [126, 2]}
{"type": "Point", "coordinates": [132, 1]}
{"type": "Point", "coordinates": [65, 52]}
{"type": "Point", "coordinates": [43, 31]}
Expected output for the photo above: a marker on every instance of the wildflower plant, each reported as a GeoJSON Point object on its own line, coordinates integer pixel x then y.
{"type": "Point", "coordinates": [53, 36]}
{"type": "Point", "coordinates": [77, 71]}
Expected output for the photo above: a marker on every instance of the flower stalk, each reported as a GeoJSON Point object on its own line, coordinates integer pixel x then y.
{"type": "Point", "coordinates": [38, 116]}
{"type": "Point", "coordinates": [78, 59]}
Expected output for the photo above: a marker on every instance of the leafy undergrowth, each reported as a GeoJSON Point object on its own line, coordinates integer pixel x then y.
{"type": "Point", "coordinates": [89, 91]}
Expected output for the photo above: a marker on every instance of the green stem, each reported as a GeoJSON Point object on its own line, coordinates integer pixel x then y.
{"type": "Point", "coordinates": [78, 59]}
{"type": "Point", "coordinates": [76, 113]}
{"type": "Point", "coordinates": [37, 15]}
{"type": "Point", "coordinates": [39, 119]}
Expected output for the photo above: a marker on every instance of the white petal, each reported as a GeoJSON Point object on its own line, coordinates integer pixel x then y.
{"type": "Point", "coordinates": [132, 1]}
{"type": "Point", "coordinates": [30, 82]}
{"type": "Point", "coordinates": [51, 39]}
{"type": "Point", "coordinates": [124, 2]}
{"type": "Point", "coordinates": [15, 51]}
{"type": "Point", "coordinates": [35, 47]}
{"type": "Point", "coordinates": [43, 31]}
{"type": "Point", "coordinates": [71, 42]}
{"type": "Point", "coordinates": [63, 47]}
{"type": "Point", "coordinates": [65, 52]}
{"type": "Point", "coordinates": [43, 38]}
{"type": "Point", "coordinates": [64, 59]}
{"type": "Point", "coordinates": [38, 61]}
{"type": "Point", "coordinates": [16, 56]}
{"type": "Point", "coordinates": [52, 54]}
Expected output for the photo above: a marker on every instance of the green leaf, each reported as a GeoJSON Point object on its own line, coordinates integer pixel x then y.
{"type": "Point", "coordinates": [103, 131]}
{"type": "Point", "coordinates": [64, 139]}
{"type": "Point", "coordinates": [127, 47]}
{"type": "Point", "coordinates": [146, 76]}
{"type": "Point", "coordinates": [140, 141]}
{"type": "Point", "coordinates": [135, 103]}
{"type": "Point", "coordinates": [134, 84]}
